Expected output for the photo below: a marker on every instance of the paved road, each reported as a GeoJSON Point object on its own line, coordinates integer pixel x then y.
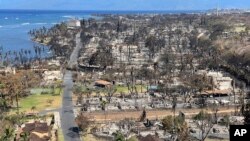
{"type": "Point", "coordinates": [75, 53]}
{"type": "Point", "coordinates": [68, 124]}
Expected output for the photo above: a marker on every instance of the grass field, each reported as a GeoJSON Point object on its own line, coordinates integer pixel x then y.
{"type": "Point", "coordinates": [60, 135]}
{"type": "Point", "coordinates": [119, 89]}
{"type": "Point", "coordinates": [124, 89]}
{"type": "Point", "coordinates": [41, 101]}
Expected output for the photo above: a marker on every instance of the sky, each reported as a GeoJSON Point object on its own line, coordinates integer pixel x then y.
{"type": "Point", "coordinates": [160, 5]}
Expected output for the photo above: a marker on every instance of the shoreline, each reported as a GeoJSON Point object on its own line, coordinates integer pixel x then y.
{"type": "Point", "coordinates": [38, 41]}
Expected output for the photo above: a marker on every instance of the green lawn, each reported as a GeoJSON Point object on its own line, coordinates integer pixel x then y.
{"type": "Point", "coordinates": [51, 100]}
{"type": "Point", "coordinates": [119, 89]}
{"type": "Point", "coordinates": [60, 135]}
{"type": "Point", "coordinates": [40, 102]}
{"type": "Point", "coordinates": [124, 89]}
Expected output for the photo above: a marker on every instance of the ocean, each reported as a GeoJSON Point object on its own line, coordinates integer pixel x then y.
{"type": "Point", "coordinates": [15, 24]}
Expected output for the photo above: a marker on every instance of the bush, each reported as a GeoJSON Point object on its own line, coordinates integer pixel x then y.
{"type": "Point", "coordinates": [169, 122]}
{"type": "Point", "coordinates": [132, 139]}
{"type": "Point", "coordinates": [201, 116]}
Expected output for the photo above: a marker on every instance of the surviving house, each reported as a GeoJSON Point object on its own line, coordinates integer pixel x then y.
{"type": "Point", "coordinates": [102, 83]}
{"type": "Point", "coordinates": [5, 70]}
{"type": "Point", "coordinates": [52, 75]}
{"type": "Point", "coordinates": [220, 81]}
{"type": "Point", "coordinates": [54, 62]}
{"type": "Point", "coordinates": [72, 24]}
{"type": "Point", "coordinates": [38, 131]}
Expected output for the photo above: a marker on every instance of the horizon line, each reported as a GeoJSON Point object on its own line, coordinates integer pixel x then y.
{"type": "Point", "coordinates": [113, 10]}
{"type": "Point", "coordinates": [108, 10]}
{"type": "Point", "coordinates": [119, 10]}
{"type": "Point", "coordinates": [143, 10]}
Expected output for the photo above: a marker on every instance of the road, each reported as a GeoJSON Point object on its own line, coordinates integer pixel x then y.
{"type": "Point", "coordinates": [69, 127]}
{"type": "Point", "coordinates": [75, 53]}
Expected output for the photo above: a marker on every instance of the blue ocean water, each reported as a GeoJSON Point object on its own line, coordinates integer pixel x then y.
{"type": "Point", "coordinates": [15, 24]}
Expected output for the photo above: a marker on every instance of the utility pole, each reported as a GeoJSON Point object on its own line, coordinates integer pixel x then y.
{"type": "Point", "coordinates": [235, 109]}
{"type": "Point", "coordinates": [217, 12]}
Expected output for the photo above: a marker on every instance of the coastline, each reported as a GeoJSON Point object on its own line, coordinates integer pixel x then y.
{"type": "Point", "coordinates": [41, 41]}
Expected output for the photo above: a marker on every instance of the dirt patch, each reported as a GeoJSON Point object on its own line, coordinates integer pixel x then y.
{"type": "Point", "coordinates": [152, 114]}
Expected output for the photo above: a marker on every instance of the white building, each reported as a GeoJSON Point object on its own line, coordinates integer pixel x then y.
{"type": "Point", "coordinates": [52, 75]}
{"type": "Point", "coordinates": [72, 24]}
{"type": "Point", "coordinates": [54, 62]}
{"type": "Point", "coordinates": [11, 70]}
{"type": "Point", "coordinates": [221, 82]}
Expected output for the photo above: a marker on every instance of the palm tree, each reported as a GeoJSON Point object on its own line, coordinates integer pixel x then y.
{"type": "Point", "coordinates": [78, 92]}
{"type": "Point", "coordinates": [8, 135]}
{"type": "Point", "coordinates": [3, 104]}
{"type": "Point", "coordinates": [174, 104]}
{"type": "Point", "coordinates": [119, 136]}
{"type": "Point", "coordinates": [120, 51]}
{"type": "Point", "coordinates": [24, 136]}
{"type": "Point", "coordinates": [109, 93]}
{"type": "Point", "coordinates": [103, 105]}
{"type": "Point", "coordinates": [33, 108]}
{"type": "Point", "coordinates": [151, 43]}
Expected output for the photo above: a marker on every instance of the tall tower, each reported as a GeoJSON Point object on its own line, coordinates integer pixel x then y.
{"type": "Point", "coordinates": [217, 8]}
{"type": "Point", "coordinates": [217, 11]}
